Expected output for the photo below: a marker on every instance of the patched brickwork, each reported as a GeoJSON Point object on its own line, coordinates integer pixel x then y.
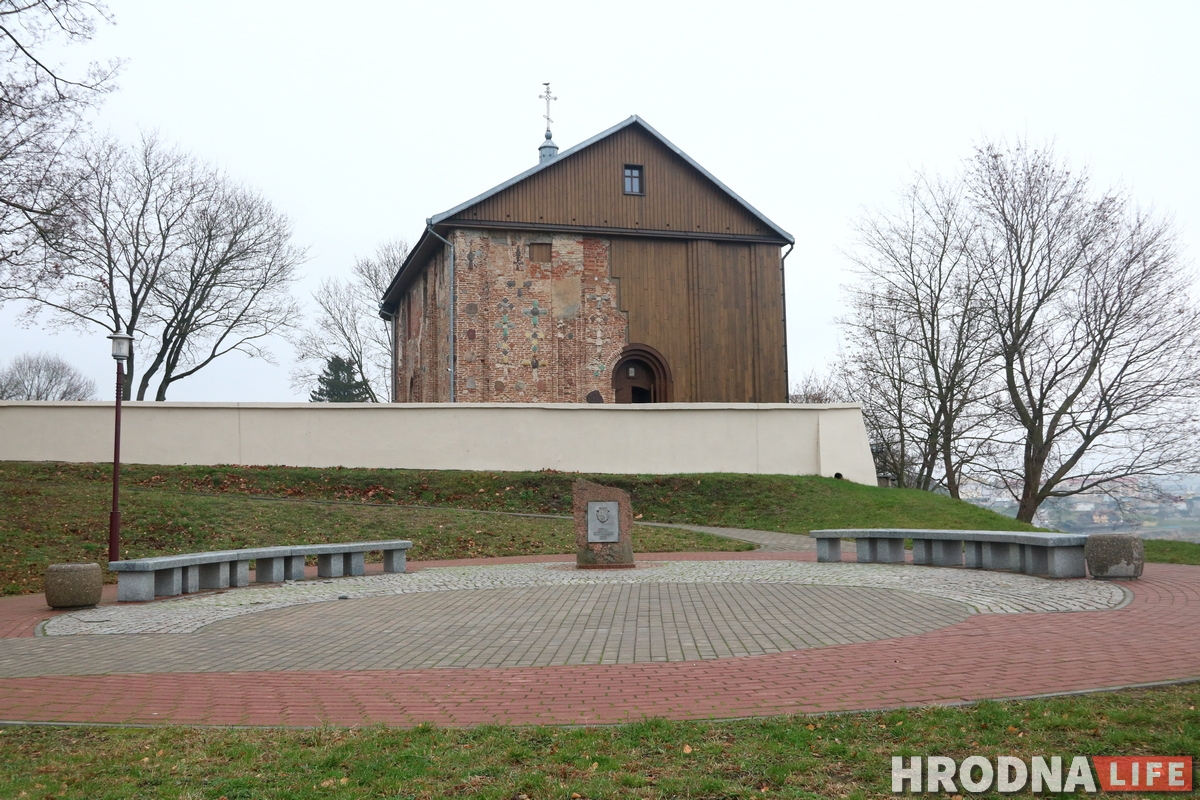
{"type": "Point", "coordinates": [532, 331]}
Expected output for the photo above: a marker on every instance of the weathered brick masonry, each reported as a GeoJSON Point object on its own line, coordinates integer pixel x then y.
{"type": "Point", "coordinates": [422, 328]}
{"type": "Point", "coordinates": [531, 331]}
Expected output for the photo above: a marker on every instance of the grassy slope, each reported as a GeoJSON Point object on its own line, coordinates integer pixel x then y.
{"type": "Point", "coordinates": [58, 512]}
{"type": "Point", "coordinates": [48, 517]}
{"type": "Point", "coordinates": [846, 756]}
{"type": "Point", "coordinates": [768, 502]}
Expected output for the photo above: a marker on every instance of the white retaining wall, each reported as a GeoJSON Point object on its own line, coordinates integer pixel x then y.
{"type": "Point", "coordinates": [648, 439]}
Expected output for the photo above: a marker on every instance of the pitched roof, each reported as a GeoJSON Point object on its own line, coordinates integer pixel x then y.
{"type": "Point", "coordinates": [427, 242]}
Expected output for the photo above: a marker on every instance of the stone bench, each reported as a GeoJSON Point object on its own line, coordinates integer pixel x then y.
{"type": "Point", "coordinates": [1057, 555]}
{"type": "Point", "coordinates": [143, 579]}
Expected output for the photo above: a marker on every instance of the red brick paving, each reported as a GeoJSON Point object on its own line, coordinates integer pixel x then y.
{"type": "Point", "coordinates": [989, 656]}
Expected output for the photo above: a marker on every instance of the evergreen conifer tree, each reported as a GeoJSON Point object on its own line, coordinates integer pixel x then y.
{"type": "Point", "coordinates": [339, 383]}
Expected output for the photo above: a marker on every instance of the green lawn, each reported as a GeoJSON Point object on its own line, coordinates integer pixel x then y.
{"type": "Point", "coordinates": [1165, 551]}
{"type": "Point", "coordinates": [59, 512]}
{"type": "Point", "coordinates": [57, 516]}
{"type": "Point", "coordinates": [794, 504]}
{"type": "Point", "coordinates": [845, 756]}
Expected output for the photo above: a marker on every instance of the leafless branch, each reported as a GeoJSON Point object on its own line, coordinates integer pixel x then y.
{"type": "Point", "coordinates": [41, 376]}
{"type": "Point", "coordinates": [347, 324]}
{"type": "Point", "coordinates": [170, 251]}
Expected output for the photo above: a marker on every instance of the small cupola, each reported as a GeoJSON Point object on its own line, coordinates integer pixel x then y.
{"type": "Point", "coordinates": [548, 149]}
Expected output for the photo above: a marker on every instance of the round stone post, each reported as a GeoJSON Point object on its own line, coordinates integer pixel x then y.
{"type": "Point", "coordinates": [603, 527]}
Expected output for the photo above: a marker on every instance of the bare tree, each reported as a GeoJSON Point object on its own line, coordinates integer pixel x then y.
{"type": "Point", "coordinates": [348, 325]}
{"type": "Point", "coordinates": [229, 289]}
{"type": "Point", "coordinates": [820, 387]}
{"type": "Point", "coordinates": [1014, 326]}
{"type": "Point", "coordinates": [168, 250]}
{"type": "Point", "coordinates": [1097, 335]}
{"type": "Point", "coordinates": [915, 330]}
{"type": "Point", "coordinates": [41, 376]}
{"type": "Point", "coordinates": [40, 112]}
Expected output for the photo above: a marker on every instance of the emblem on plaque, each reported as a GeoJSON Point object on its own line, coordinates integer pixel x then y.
{"type": "Point", "coordinates": [603, 522]}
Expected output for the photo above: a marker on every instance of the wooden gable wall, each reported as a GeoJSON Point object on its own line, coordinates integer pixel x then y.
{"type": "Point", "coordinates": [586, 190]}
{"type": "Point", "coordinates": [714, 310]}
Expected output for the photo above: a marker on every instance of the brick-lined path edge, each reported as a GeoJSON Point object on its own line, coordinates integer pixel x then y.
{"type": "Point", "coordinates": [1151, 640]}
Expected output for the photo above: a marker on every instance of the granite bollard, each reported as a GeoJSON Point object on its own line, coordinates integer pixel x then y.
{"type": "Point", "coordinates": [73, 585]}
{"type": "Point", "coordinates": [603, 527]}
{"type": "Point", "coordinates": [1119, 556]}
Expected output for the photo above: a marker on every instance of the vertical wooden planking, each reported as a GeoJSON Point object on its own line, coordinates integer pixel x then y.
{"type": "Point", "coordinates": [653, 276]}
{"type": "Point", "coordinates": [587, 189]}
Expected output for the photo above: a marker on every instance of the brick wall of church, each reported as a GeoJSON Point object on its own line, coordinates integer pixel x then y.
{"type": "Point", "coordinates": [535, 331]}
{"type": "Point", "coordinates": [422, 337]}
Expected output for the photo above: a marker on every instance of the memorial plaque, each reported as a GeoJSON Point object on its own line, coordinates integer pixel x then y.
{"type": "Point", "coordinates": [603, 522]}
{"type": "Point", "coordinates": [603, 527]}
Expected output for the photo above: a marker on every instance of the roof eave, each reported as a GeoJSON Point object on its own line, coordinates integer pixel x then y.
{"type": "Point", "coordinates": [419, 253]}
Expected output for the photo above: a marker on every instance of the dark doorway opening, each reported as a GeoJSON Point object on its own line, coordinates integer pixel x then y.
{"type": "Point", "coordinates": [642, 376]}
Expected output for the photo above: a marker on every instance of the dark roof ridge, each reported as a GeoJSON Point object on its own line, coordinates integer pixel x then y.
{"type": "Point", "coordinates": [437, 218]}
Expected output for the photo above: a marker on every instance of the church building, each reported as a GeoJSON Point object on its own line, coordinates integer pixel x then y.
{"type": "Point", "coordinates": [616, 271]}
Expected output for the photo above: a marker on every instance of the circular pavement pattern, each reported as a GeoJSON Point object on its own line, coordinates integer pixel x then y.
{"type": "Point", "coordinates": [1009, 646]}
{"type": "Point", "coordinates": [533, 627]}
{"type": "Point", "coordinates": [535, 615]}
{"type": "Point", "coordinates": [983, 592]}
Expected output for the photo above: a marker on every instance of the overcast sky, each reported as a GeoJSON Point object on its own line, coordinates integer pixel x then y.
{"type": "Point", "coordinates": [360, 120]}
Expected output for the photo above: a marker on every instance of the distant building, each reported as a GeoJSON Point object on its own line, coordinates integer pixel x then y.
{"type": "Point", "coordinates": [619, 270]}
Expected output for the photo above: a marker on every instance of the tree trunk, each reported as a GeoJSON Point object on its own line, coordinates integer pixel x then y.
{"type": "Point", "coordinates": [1035, 463]}
{"type": "Point", "coordinates": [127, 383]}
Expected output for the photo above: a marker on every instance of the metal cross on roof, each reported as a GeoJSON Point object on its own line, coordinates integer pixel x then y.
{"type": "Point", "coordinates": [547, 97]}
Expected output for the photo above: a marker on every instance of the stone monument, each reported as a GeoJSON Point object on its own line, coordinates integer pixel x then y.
{"type": "Point", "coordinates": [603, 527]}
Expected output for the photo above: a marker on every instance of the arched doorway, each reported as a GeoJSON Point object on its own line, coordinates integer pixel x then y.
{"type": "Point", "coordinates": [642, 376]}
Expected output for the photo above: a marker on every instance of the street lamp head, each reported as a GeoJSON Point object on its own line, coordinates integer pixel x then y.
{"type": "Point", "coordinates": [122, 346]}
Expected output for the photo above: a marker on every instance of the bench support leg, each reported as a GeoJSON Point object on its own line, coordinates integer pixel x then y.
{"type": "Point", "coordinates": [828, 549]}
{"type": "Point", "coordinates": [329, 565]}
{"type": "Point", "coordinates": [1004, 556]}
{"type": "Point", "coordinates": [889, 551]}
{"type": "Point", "coordinates": [168, 582]}
{"type": "Point", "coordinates": [1034, 560]}
{"type": "Point", "coordinates": [863, 550]}
{"type": "Point", "coordinates": [191, 579]}
{"type": "Point", "coordinates": [1065, 562]}
{"type": "Point", "coordinates": [355, 564]}
{"type": "Point", "coordinates": [135, 587]}
{"type": "Point", "coordinates": [268, 570]}
{"type": "Point", "coordinates": [973, 552]}
{"type": "Point", "coordinates": [947, 553]}
{"type": "Point", "coordinates": [214, 576]}
{"type": "Point", "coordinates": [923, 551]}
{"type": "Point", "coordinates": [884, 551]}
{"type": "Point", "coordinates": [293, 568]}
{"type": "Point", "coordinates": [394, 560]}
{"type": "Point", "coordinates": [239, 573]}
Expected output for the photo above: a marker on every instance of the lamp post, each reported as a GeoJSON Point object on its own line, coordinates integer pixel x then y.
{"type": "Point", "coordinates": [122, 347]}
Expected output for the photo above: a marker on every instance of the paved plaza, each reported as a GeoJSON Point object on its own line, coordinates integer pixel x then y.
{"type": "Point", "coordinates": [532, 640]}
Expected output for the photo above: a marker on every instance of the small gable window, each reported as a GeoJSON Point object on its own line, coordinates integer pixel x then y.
{"type": "Point", "coordinates": [634, 183]}
{"type": "Point", "coordinates": [539, 253]}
